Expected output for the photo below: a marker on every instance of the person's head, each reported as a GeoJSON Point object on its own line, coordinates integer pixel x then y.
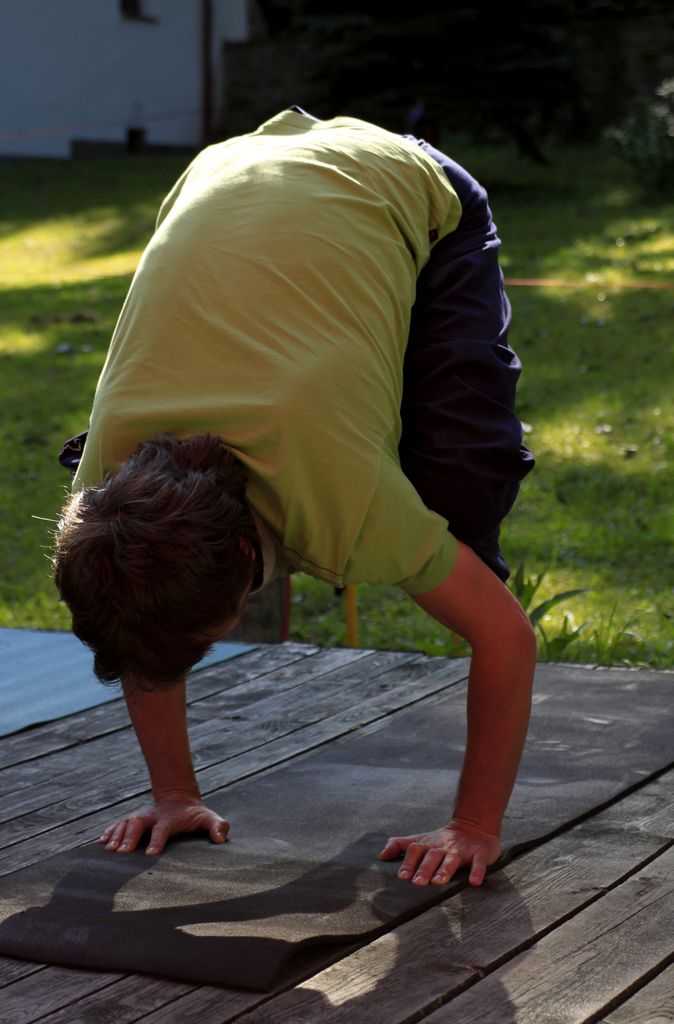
{"type": "Point", "coordinates": [157, 561]}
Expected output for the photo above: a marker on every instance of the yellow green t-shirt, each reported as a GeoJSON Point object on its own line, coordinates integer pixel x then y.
{"type": "Point", "coordinates": [272, 308]}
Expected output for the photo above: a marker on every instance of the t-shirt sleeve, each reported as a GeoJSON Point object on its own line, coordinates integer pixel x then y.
{"type": "Point", "coordinates": [401, 542]}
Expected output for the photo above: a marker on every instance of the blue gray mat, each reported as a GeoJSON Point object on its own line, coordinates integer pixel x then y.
{"type": "Point", "coordinates": [47, 675]}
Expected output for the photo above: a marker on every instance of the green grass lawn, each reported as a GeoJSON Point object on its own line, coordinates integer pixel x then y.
{"type": "Point", "coordinates": [595, 394]}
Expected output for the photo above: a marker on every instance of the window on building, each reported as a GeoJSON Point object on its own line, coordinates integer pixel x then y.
{"type": "Point", "coordinates": [135, 140]}
{"type": "Point", "coordinates": [133, 9]}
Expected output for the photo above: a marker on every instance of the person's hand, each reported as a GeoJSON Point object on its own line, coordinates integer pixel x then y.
{"type": "Point", "coordinates": [172, 813]}
{"type": "Point", "coordinates": [436, 856]}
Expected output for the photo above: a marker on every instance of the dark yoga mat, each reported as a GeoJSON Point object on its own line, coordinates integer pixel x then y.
{"type": "Point", "coordinates": [52, 671]}
{"type": "Point", "coordinates": [300, 868]}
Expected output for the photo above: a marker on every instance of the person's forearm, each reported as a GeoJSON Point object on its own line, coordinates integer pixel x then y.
{"type": "Point", "coordinates": [499, 702]}
{"type": "Point", "coordinates": [160, 721]}
{"type": "Point", "coordinates": [476, 605]}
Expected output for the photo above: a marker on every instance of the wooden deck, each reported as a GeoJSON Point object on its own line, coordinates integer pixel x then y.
{"type": "Point", "coordinates": [577, 929]}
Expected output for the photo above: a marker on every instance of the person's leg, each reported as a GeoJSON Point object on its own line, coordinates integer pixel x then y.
{"type": "Point", "coordinates": [461, 442]}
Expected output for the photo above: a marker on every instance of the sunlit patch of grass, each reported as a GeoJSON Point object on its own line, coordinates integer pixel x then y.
{"type": "Point", "coordinates": [58, 250]}
{"type": "Point", "coordinates": [14, 340]}
{"type": "Point", "coordinates": [76, 221]}
{"type": "Point", "coordinates": [575, 219]}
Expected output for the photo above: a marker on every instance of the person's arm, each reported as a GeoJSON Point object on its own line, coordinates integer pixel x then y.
{"type": "Point", "coordinates": [160, 721]}
{"type": "Point", "coordinates": [473, 602]}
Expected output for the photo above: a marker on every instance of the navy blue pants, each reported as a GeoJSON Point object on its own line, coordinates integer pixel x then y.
{"type": "Point", "coordinates": [461, 443]}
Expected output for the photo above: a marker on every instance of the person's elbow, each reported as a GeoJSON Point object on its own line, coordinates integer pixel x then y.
{"type": "Point", "coordinates": [474, 603]}
{"type": "Point", "coordinates": [523, 636]}
{"type": "Point", "coordinates": [506, 633]}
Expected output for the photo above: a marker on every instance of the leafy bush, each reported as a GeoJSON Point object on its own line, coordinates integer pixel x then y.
{"type": "Point", "coordinates": [525, 588]}
{"type": "Point", "coordinates": [610, 641]}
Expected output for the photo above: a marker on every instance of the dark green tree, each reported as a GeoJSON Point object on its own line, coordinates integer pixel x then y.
{"type": "Point", "coordinates": [490, 69]}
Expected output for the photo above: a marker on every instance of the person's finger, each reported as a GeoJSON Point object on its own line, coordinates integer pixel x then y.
{"type": "Point", "coordinates": [104, 836]}
{"type": "Point", "coordinates": [447, 868]}
{"type": "Point", "coordinates": [478, 870]}
{"type": "Point", "coordinates": [395, 847]}
{"type": "Point", "coordinates": [134, 830]}
{"type": "Point", "coordinates": [158, 838]}
{"type": "Point", "coordinates": [414, 854]}
{"type": "Point", "coordinates": [219, 831]}
{"type": "Point", "coordinates": [117, 835]}
{"type": "Point", "coordinates": [427, 867]}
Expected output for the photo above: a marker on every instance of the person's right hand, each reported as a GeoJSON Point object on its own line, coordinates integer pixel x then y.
{"type": "Point", "coordinates": [172, 813]}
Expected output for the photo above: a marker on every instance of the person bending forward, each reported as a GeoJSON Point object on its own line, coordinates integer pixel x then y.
{"type": "Point", "coordinates": [310, 373]}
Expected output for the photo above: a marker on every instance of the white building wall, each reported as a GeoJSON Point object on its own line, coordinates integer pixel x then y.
{"type": "Point", "coordinates": [76, 69]}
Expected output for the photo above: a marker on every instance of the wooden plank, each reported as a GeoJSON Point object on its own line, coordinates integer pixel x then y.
{"type": "Point", "coordinates": [371, 680]}
{"type": "Point", "coordinates": [153, 1001]}
{"type": "Point", "coordinates": [11, 970]}
{"type": "Point", "coordinates": [407, 972]}
{"type": "Point", "coordinates": [273, 683]}
{"type": "Point", "coordinates": [652, 1004]}
{"type": "Point", "coordinates": [127, 1000]}
{"type": "Point", "coordinates": [645, 675]}
{"type": "Point", "coordinates": [67, 732]}
{"type": "Point", "coordinates": [401, 688]}
{"type": "Point", "coordinates": [26, 840]}
{"type": "Point", "coordinates": [572, 975]}
{"type": "Point", "coordinates": [36, 995]}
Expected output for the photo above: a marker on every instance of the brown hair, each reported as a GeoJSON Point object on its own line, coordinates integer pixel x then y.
{"type": "Point", "coordinates": [155, 556]}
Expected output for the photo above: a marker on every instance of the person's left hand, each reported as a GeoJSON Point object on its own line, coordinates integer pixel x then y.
{"type": "Point", "coordinates": [436, 856]}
